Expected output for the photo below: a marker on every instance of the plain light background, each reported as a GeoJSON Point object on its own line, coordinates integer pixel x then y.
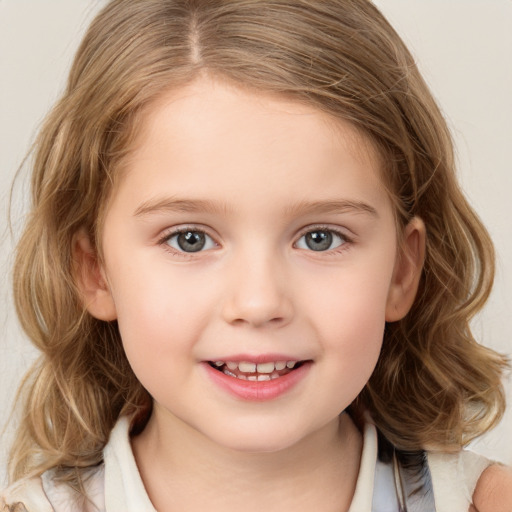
{"type": "Point", "coordinates": [464, 49]}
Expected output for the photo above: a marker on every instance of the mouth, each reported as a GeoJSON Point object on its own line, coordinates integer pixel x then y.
{"type": "Point", "coordinates": [256, 372]}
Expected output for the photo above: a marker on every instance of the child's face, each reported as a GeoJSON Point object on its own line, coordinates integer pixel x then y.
{"type": "Point", "coordinates": [249, 229]}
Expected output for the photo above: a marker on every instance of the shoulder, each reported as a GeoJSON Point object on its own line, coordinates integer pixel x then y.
{"type": "Point", "coordinates": [493, 491]}
{"type": "Point", "coordinates": [46, 493]}
{"type": "Point", "coordinates": [455, 477]}
{"type": "Point", "coordinates": [26, 495]}
{"type": "Point", "coordinates": [467, 480]}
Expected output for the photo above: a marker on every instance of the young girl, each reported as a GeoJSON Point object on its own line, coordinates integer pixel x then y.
{"type": "Point", "coordinates": [250, 272]}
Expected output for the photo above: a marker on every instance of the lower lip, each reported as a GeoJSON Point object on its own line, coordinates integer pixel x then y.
{"type": "Point", "coordinates": [259, 391]}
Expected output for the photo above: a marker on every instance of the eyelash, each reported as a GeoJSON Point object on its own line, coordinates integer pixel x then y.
{"type": "Point", "coordinates": [346, 240]}
{"type": "Point", "coordinates": [164, 240]}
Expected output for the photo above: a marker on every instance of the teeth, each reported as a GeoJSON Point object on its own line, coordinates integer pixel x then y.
{"type": "Point", "coordinates": [265, 371]}
{"type": "Point", "coordinates": [253, 378]}
{"type": "Point", "coordinates": [265, 367]}
{"type": "Point", "coordinates": [247, 367]}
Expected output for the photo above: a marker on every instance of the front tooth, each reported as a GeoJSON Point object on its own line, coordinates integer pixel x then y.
{"type": "Point", "coordinates": [275, 375]}
{"type": "Point", "coordinates": [280, 365]}
{"type": "Point", "coordinates": [232, 365]}
{"type": "Point", "coordinates": [242, 377]}
{"type": "Point", "coordinates": [247, 367]}
{"type": "Point", "coordinates": [291, 364]}
{"type": "Point", "coordinates": [252, 377]}
{"type": "Point", "coordinates": [265, 367]}
{"type": "Point", "coordinates": [263, 377]}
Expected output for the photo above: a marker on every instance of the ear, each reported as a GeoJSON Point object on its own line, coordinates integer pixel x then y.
{"type": "Point", "coordinates": [407, 271]}
{"type": "Point", "coordinates": [90, 279]}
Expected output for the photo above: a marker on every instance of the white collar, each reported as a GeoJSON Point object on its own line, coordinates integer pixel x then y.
{"type": "Point", "coordinates": [125, 492]}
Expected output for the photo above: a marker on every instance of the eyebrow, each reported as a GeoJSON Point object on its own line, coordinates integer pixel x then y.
{"type": "Point", "coordinates": [333, 206]}
{"type": "Point", "coordinates": [174, 205]}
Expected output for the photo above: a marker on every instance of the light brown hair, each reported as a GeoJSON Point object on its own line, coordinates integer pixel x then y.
{"type": "Point", "coordinates": [434, 385]}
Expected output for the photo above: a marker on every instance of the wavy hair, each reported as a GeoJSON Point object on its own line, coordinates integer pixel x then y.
{"type": "Point", "coordinates": [434, 385]}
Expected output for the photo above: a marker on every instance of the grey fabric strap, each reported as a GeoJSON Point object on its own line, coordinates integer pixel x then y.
{"type": "Point", "coordinates": [414, 486]}
{"type": "Point", "coordinates": [412, 479]}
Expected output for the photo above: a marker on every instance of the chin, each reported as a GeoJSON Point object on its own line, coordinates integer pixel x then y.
{"type": "Point", "coordinates": [258, 439]}
{"type": "Point", "coordinates": [259, 445]}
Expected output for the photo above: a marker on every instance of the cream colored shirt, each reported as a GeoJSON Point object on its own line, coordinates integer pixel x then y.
{"type": "Point", "coordinates": [116, 485]}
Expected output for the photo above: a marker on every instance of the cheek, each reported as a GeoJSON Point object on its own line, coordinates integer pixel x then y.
{"type": "Point", "coordinates": [158, 326]}
{"type": "Point", "coordinates": [352, 340]}
{"type": "Point", "coordinates": [353, 300]}
{"type": "Point", "coordinates": [151, 295]}
{"type": "Point", "coordinates": [350, 319]}
{"type": "Point", "coordinates": [353, 334]}
{"type": "Point", "coordinates": [158, 341]}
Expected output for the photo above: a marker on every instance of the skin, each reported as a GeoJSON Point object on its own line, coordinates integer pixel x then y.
{"type": "Point", "coordinates": [493, 492]}
{"type": "Point", "coordinates": [256, 173]}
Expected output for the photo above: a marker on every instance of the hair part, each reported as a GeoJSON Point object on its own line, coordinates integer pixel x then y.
{"type": "Point", "coordinates": [434, 385]}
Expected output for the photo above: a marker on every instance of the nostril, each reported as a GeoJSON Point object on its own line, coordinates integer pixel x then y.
{"type": "Point", "coordinates": [257, 303]}
{"type": "Point", "coordinates": [258, 321]}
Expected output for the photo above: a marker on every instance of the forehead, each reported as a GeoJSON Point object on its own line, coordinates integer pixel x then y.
{"type": "Point", "coordinates": [223, 98]}
{"type": "Point", "coordinates": [241, 141]}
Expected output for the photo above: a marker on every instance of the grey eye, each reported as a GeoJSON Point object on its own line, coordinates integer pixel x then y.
{"type": "Point", "coordinates": [190, 241]}
{"type": "Point", "coordinates": [320, 240]}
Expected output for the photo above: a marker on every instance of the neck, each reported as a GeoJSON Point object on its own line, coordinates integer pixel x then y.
{"type": "Point", "coordinates": [183, 470]}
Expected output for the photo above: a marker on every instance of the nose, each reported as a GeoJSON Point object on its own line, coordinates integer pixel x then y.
{"type": "Point", "coordinates": [259, 292]}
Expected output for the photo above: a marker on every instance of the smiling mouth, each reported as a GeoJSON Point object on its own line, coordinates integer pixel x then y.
{"type": "Point", "coordinates": [244, 370]}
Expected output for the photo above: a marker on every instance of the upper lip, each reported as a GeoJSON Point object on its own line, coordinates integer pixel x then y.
{"type": "Point", "coordinates": [260, 358]}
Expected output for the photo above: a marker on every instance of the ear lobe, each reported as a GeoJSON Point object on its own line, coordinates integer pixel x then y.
{"type": "Point", "coordinates": [407, 271]}
{"type": "Point", "coordinates": [90, 279]}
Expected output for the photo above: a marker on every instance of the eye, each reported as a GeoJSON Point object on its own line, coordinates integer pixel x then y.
{"type": "Point", "coordinates": [190, 240]}
{"type": "Point", "coordinates": [321, 240]}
